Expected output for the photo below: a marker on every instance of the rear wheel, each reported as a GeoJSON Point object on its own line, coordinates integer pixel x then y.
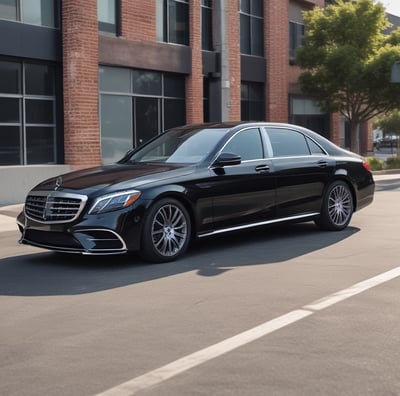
{"type": "Point", "coordinates": [337, 207]}
{"type": "Point", "coordinates": [166, 231]}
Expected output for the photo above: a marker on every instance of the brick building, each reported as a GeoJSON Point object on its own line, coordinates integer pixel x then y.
{"type": "Point", "coordinates": [82, 82]}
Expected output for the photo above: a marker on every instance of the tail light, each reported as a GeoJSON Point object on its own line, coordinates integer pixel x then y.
{"type": "Point", "coordinates": [366, 166]}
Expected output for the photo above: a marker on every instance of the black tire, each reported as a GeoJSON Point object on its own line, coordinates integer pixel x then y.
{"type": "Point", "coordinates": [166, 231]}
{"type": "Point", "coordinates": [337, 207]}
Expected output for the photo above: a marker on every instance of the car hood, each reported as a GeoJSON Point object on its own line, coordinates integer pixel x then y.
{"type": "Point", "coordinates": [113, 177]}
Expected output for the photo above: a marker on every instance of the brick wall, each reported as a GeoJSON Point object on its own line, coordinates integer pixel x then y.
{"type": "Point", "coordinates": [138, 24]}
{"type": "Point", "coordinates": [194, 82]}
{"type": "Point", "coordinates": [276, 34]}
{"type": "Point", "coordinates": [138, 20]}
{"type": "Point", "coordinates": [80, 69]}
{"type": "Point", "coordinates": [233, 38]}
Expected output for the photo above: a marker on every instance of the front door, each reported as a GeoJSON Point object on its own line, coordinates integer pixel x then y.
{"type": "Point", "coordinates": [244, 193]}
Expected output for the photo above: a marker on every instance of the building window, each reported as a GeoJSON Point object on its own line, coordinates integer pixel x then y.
{"type": "Point", "coordinates": [9, 10]}
{"type": "Point", "coordinates": [108, 15]}
{"type": "Point", "coordinates": [136, 105]}
{"type": "Point", "coordinates": [252, 101]}
{"type": "Point", "coordinates": [206, 25]}
{"type": "Point", "coordinates": [34, 12]}
{"type": "Point", "coordinates": [296, 31]}
{"type": "Point", "coordinates": [206, 99]}
{"type": "Point", "coordinates": [27, 113]}
{"type": "Point", "coordinates": [173, 21]}
{"type": "Point", "coordinates": [252, 27]}
{"type": "Point", "coordinates": [305, 112]}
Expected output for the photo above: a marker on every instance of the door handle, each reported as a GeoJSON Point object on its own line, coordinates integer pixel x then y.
{"type": "Point", "coordinates": [322, 164]}
{"type": "Point", "coordinates": [262, 168]}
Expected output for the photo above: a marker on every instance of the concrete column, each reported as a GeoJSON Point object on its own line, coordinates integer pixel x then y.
{"type": "Point", "coordinates": [221, 46]}
{"type": "Point", "coordinates": [227, 44]}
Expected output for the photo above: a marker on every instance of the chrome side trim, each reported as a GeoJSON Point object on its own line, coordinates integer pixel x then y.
{"type": "Point", "coordinates": [261, 223]}
{"type": "Point", "coordinates": [83, 251]}
{"type": "Point", "coordinates": [71, 250]}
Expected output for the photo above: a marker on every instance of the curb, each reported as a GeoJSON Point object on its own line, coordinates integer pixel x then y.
{"type": "Point", "coordinates": [386, 172]}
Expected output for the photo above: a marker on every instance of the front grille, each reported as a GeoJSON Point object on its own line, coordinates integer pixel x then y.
{"type": "Point", "coordinates": [53, 206]}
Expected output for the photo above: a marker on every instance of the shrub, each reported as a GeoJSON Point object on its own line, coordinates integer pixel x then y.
{"type": "Point", "coordinates": [374, 163]}
{"type": "Point", "coordinates": [392, 163]}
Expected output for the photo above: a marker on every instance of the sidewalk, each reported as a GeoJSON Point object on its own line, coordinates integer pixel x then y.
{"type": "Point", "coordinates": [9, 213]}
{"type": "Point", "coordinates": [7, 217]}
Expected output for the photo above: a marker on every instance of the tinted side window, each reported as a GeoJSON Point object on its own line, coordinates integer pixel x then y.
{"type": "Point", "coordinates": [314, 148]}
{"type": "Point", "coordinates": [247, 144]}
{"type": "Point", "coordinates": [287, 142]}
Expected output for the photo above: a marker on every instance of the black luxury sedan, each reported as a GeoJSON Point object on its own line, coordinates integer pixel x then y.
{"type": "Point", "coordinates": [196, 181]}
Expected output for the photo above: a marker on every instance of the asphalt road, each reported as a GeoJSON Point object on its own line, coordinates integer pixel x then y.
{"type": "Point", "coordinates": [74, 325]}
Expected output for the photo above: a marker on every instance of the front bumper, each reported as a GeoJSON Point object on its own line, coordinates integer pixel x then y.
{"type": "Point", "coordinates": [111, 233]}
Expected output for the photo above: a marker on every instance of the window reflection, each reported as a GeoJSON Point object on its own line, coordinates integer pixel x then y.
{"type": "Point", "coordinates": [173, 21]}
{"type": "Point", "coordinates": [107, 15]}
{"type": "Point", "coordinates": [156, 103]}
{"type": "Point", "coordinates": [34, 12]}
{"type": "Point", "coordinates": [252, 27]}
{"type": "Point", "coordinates": [8, 9]}
{"type": "Point", "coordinates": [27, 117]}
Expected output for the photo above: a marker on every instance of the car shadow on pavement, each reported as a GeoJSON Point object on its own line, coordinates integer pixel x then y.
{"type": "Point", "coordinates": [49, 273]}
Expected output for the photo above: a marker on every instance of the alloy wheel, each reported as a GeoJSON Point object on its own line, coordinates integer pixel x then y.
{"type": "Point", "coordinates": [169, 230]}
{"type": "Point", "coordinates": [340, 205]}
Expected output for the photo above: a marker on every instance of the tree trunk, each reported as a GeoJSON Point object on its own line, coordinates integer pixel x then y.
{"type": "Point", "coordinates": [355, 136]}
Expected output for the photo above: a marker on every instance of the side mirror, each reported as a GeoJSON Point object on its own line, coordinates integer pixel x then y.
{"type": "Point", "coordinates": [226, 159]}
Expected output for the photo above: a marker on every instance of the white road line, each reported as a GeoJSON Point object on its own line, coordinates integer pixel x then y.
{"type": "Point", "coordinates": [186, 363]}
{"type": "Point", "coordinates": [353, 290]}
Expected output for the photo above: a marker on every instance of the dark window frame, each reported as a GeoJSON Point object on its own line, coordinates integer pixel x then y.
{"type": "Point", "coordinates": [252, 15]}
{"type": "Point", "coordinates": [206, 26]}
{"type": "Point", "coordinates": [170, 35]}
{"type": "Point", "coordinates": [252, 101]}
{"type": "Point", "coordinates": [296, 35]}
{"type": "Point", "coordinates": [112, 28]}
{"type": "Point", "coordinates": [20, 17]}
{"type": "Point", "coordinates": [29, 119]}
{"type": "Point", "coordinates": [316, 121]}
{"type": "Point", "coordinates": [172, 95]}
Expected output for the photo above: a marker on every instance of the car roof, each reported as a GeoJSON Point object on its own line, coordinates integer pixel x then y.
{"type": "Point", "coordinates": [329, 146]}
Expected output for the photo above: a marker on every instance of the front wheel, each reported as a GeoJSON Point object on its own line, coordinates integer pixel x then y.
{"type": "Point", "coordinates": [337, 207]}
{"type": "Point", "coordinates": [166, 231]}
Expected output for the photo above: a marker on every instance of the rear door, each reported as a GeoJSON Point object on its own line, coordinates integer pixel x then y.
{"type": "Point", "coordinates": [301, 168]}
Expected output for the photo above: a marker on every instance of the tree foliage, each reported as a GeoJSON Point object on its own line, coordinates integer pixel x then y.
{"type": "Point", "coordinates": [389, 123]}
{"type": "Point", "coordinates": [348, 58]}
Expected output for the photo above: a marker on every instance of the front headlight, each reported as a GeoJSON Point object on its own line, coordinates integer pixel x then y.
{"type": "Point", "coordinates": [110, 202]}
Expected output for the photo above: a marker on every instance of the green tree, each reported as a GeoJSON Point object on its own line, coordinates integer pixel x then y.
{"type": "Point", "coordinates": [347, 58]}
{"type": "Point", "coordinates": [390, 125]}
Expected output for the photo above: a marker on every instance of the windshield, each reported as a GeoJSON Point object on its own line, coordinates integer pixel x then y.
{"type": "Point", "coordinates": [180, 146]}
